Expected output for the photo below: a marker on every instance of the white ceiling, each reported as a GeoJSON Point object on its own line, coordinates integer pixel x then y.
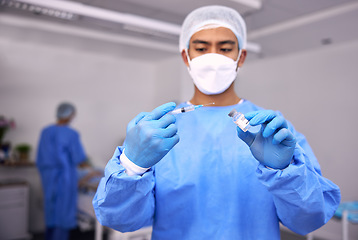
{"type": "Point", "coordinates": [174, 11]}
{"type": "Point", "coordinates": [279, 26]}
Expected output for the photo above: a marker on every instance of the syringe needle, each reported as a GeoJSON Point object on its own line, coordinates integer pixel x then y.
{"type": "Point", "coordinates": [213, 103]}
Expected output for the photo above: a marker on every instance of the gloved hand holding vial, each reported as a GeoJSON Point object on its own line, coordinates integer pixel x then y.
{"type": "Point", "coordinates": [274, 144]}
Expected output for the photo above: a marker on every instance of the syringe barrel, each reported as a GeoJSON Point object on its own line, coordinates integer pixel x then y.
{"type": "Point", "coordinates": [189, 108]}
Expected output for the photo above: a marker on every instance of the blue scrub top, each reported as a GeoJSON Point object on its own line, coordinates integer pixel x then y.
{"type": "Point", "coordinates": [59, 153]}
{"type": "Point", "coordinates": [209, 186]}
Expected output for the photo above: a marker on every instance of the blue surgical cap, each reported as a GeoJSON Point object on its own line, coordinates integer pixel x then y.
{"type": "Point", "coordinates": [65, 110]}
{"type": "Point", "coordinates": [218, 16]}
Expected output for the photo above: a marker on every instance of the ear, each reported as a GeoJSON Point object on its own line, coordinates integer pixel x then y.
{"type": "Point", "coordinates": [184, 57]}
{"type": "Point", "coordinates": [242, 58]}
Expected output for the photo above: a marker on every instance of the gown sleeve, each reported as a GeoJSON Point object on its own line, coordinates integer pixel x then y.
{"type": "Point", "coordinates": [76, 149]}
{"type": "Point", "coordinates": [304, 199]}
{"type": "Point", "coordinates": [124, 203]}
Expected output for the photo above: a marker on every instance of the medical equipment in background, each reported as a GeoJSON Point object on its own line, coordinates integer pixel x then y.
{"type": "Point", "coordinates": [89, 179]}
{"type": "Point", "coordinates": [348, 213]}
{"type": "Point", "coordinates": [14, 209]}
{"type": "Point", "coordinates": [240, 120]}
{"type": "Point", "coordinates": [85, 207]}
{"type": "Point", "coordinates": [189, 108]}
{"type": "Point", "coordinates": [144, 233]}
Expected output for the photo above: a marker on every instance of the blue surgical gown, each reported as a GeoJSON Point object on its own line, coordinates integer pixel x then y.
{"type": "Point", "coordinates": [59, 153]}
{"type": "Point", "coordinates": [209, 186]}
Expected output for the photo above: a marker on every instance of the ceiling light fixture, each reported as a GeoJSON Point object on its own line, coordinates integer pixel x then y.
{"type": "Point", "coordinates": [108, 15]}
{"type": "Point", "coordinates": [255, 4]}
{"type": "Point", "coordinates": [122, 18]}
{"type": "Point", "coordinates": [39, 10]}
{"type": "Point", "coordinates": [15, 21]}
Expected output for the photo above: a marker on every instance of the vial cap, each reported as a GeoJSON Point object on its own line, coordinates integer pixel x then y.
{"type": "Point", "coordinates": [232, 113]}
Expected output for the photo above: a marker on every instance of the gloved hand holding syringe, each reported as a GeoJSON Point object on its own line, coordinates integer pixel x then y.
{"type": "Point", "coordinates": [189, 108]}
{"type": "Point", "coordinates": [150, 136]}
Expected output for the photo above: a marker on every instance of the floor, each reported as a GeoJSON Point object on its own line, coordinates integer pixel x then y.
{"type": "Point", "coordinates": [291, 236]}
{"type": "Point", "coordinates": [74, 235]}
{"type": "Point", "coordinates": [89, 235]}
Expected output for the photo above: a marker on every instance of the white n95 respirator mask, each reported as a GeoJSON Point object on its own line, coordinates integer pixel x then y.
{"type": "Point", "coordinates": [213, 73]}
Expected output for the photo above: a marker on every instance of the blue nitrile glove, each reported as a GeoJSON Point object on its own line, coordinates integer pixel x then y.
{"type": "Point", "coordinates": [151, 135]}
{"type": "Point", "coordinates": [274, 144]}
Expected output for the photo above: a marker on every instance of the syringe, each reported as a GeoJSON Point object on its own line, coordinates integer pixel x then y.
{"type": "Point", "coordinates": [189, 108]}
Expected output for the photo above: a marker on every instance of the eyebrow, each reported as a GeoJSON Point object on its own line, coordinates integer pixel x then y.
{"type": "Point", "coordinates": [200, 41]}
{"type": "Point", "coordinates": [221, 42]}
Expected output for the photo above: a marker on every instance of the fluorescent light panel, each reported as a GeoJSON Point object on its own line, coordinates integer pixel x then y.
{"type": "Point", "coordinates": [108, 15]}
{"type": "Point", "coordinates": [126, 19]}
{"type": "Point", "coordinates": [87, 33]}
{"type": "Point", "coordinates": [254, 4]}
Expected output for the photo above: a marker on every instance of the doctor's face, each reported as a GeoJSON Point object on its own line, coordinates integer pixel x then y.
{"type": "Point", "coordinates": [214, 40]}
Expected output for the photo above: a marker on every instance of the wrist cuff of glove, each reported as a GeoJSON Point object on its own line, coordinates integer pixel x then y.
{"type": "Point", "coordinates": [279, 169]}
{"type": "Point", "coordinates": [131, 168]}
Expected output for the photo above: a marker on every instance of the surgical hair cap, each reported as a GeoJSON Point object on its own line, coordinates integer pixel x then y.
{"type": "Point", "coordinates": [65, 110]}
{"type": "Point", "coordinates": [217, 16]}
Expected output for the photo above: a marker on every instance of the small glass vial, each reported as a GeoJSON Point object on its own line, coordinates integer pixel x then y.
{"type": "Point", "coordinates": [240, 120]}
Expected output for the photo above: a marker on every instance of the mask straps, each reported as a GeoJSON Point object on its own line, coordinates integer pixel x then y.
{"type": "Point", "coordinates": [187, 57]}
{"type": "Point", "coordinates": [238, 57]}
{"type": "Point", "coordinates": [237, 60]}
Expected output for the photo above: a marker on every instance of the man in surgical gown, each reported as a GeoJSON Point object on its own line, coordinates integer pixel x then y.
{"type": "Point", "coordinates": [59, 153]}
{"type": "Point", "coordinates": [196, 175]}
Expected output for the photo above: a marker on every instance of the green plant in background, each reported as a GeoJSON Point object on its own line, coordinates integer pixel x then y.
{"type": "Point", "coordinates": [23, 152]}
{"type": "Point", "coordinates": [23, 148]}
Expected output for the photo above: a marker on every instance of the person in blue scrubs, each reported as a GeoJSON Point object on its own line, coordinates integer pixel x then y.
{"type": "Point", "coordinates": [196, 175]}
{"type": "Point", "coordinates": [59, 154]}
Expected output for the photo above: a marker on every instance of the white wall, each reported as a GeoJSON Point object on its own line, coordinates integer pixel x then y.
{"type": "Point", "coordinates": [317, 91]}
{"type": "Point", "coordinates": [168, 80]}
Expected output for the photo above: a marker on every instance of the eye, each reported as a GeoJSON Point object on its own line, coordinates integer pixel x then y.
{"type": "Point", "coordinates": [225, 49]}
{"type": "Point", "coordinates": [200, 49]}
